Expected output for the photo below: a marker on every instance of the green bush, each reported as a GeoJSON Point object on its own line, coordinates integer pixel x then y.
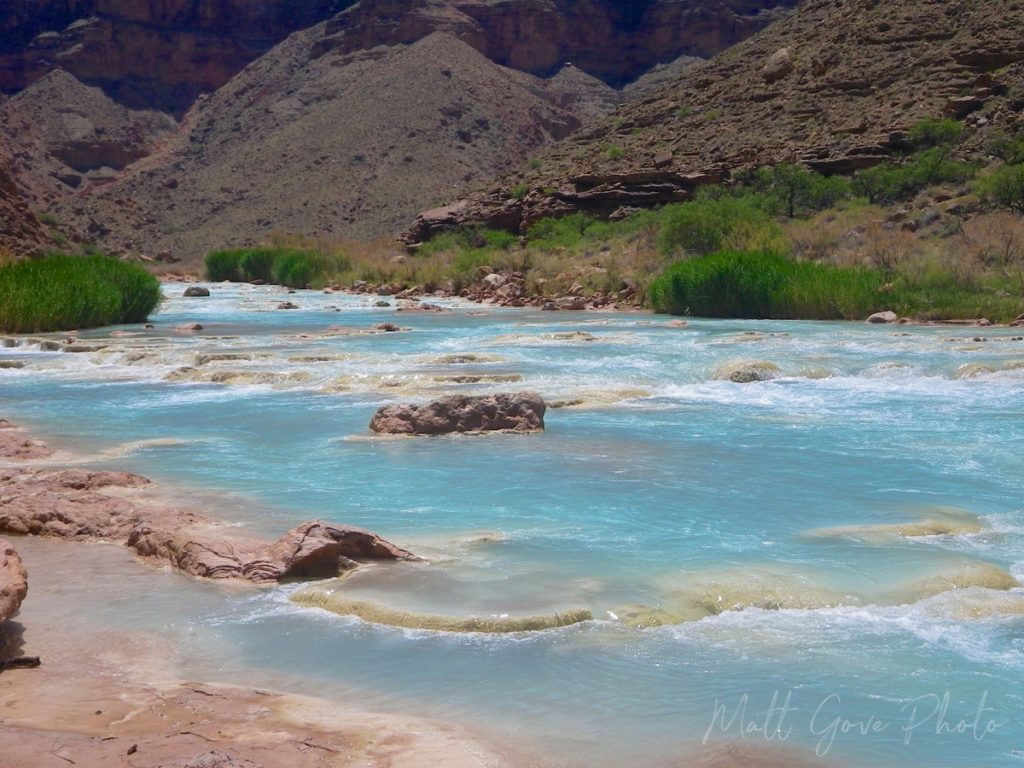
{"type": "Point", "coordinates": [797, 189]}
{"type": "Point", "coordinates": [702, 225]}
{"type": "Point", "coordinates": [1004, 187]}
{"type": "Point", "coordinates": [1009, 149]}
{"type": "Point", "coordinates": [935, 133]}
{"type": "Point", "coordinates": [765, 285]}
{"type": "Point", "coordinates": [890, 183]}
{"type": "Point", "coordinates": [60, 293]}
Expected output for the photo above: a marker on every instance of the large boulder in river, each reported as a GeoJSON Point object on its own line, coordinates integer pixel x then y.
{"type": "Point", "coordinates": [13, 581]}
{"type": "Point", "coordinates": [519, 412]}
{"type": "Point", "coordinates": [196, 291]}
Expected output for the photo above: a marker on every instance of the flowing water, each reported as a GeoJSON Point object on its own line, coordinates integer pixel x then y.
{"type": "Point", "coordinates": [735, 543]}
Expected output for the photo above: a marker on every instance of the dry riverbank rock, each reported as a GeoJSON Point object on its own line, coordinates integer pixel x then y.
{"type": "Point", "coordinates": [15, 444]}
{"type": "Point", "coordinates": [519, 412]}
{"type": "Point", "coordinates": [13, 581]}
{"type": "Point", "coordinates": [883, 317]}
{"type": "Point", "coordinates": [110, 506]}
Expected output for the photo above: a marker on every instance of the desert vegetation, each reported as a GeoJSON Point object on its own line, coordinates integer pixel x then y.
{"type": "Point", "coordinates": [61, 292]}
{"type": "Point", "coordinates": [927, 235]}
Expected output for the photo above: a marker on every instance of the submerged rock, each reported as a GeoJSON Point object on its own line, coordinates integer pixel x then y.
{"type": "Point", "coordinates": [943, 522]}
{"type": "Point", "coordinates": [13, 581]}
{"type": "Point", "coordinates": [964, 576]}
{"type": "Point", "coordinates": [520, 412]}
{"type": "Point", "coordinates": [747, 371]}
{"type": "Point", "coordinates": [196, 291]}
{"type": "Point", "coordinates": [376, 613]}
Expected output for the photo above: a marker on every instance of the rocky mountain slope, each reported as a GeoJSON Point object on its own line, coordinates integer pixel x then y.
{"type": "Point", "coordinates": [146, 54]}
{"type": "Point", "coordinates": [345, 151]}
{"type": "Point", "coordinates": [20, 230]}
{"type": "Point", "coordinates": [613, 40]}
{"type": "Point", "coordinates": [345, 129]}
{"type": "Point", "coordinates": [164, 54]}
{"type": "Point", "coordinates": [834, 85]}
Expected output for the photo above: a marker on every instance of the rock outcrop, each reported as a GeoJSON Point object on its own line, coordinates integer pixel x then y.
{"type": "Point", "coordinates": [88, 505]}
{"type": "Point", "coordinates": [520, 412]}
{"type": "Point", "coordinates": [541, 38]}
{"type": "Point", "coordinates": [20, 230]}
{"type": "Point", "coordinates": [164, 54]}
{"type": "Point", "coordinates": [834, 85]}
{"type": "Point", "coordinates": [146, 53]}
{"type": "Point", "coordinates": [16, 444]}
{"type": "Point", "coordinates": [13, 581]}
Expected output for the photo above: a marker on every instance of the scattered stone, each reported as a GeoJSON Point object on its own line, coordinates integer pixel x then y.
{"type": "Point", "coordinates": [520, 412]}
{"type": "Point", "coordinates": [779, 65]}
{"type": "Point", "coordinates": [287, 305]}
{"type": "Point", "coordinates": [747, 371]}
{"type": "Point", "coordinates": [386, 327]}
{"type": "Point", "coordinates": [883, 317]}
{"type": "Point", "coordinates": [188, 327]}
{"type": "Point", "coordinates": [382, 303]}
{"type": "Point", "coordinates": [196, 291]}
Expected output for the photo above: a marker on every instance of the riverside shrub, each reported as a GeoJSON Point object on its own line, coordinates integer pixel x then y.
{"type": "Point", "coordinates": [60, 292]}
{"type": "Point", "coordinates": [766, 285]}
{"type": "Point", "coordinates": [704, 225]}
{"type": "Point", "coordinates": [293, 267]}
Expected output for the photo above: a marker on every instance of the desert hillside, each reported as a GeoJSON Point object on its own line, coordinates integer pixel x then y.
{"type": "Point", "coordinates": [344, 129]}
{"type": "Point", "coordinates": [834, 85]}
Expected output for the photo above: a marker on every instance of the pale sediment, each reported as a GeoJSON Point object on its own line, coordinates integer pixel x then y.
{"type": "Point", "coordinates": [376, 613]}
{"type": "Point", "coordinates": [941, 522]}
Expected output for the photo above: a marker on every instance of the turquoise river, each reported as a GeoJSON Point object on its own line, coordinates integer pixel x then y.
{"type": "Point", "coordinates": [823, 560]}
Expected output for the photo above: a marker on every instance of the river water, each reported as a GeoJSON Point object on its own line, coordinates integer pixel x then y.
{"type": "Point", "coordinates": [733, 542]}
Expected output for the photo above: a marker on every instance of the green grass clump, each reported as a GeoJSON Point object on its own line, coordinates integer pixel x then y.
{"type": "Point", "coordinates": [764, 285]}
{"type": "Point", "coordinates": [60, 293]}
{"type": "Point", "coordinates": [293, 267]}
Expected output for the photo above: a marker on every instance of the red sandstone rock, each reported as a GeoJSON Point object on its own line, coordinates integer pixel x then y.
{"type": "Point", "coordinates": [68, 504]}
{"type": "Point", "coordinates": [13, 581]}
{"type": "Point", "coordinates": [520, 412]}
{"type": "Point", "coordinates": [15, 444]}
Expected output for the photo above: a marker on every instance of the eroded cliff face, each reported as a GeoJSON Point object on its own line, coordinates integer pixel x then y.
{"type": "Point", "coordinates": [835, 86]}
{"type": "Point", "coordinates": [614, 40]}
{"type": "Point", "coordinates": [155, 53]}
{"type": "Point", "coordinates": [20, 229]}
{"type": "Point", "coordinates": [164, 53]}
